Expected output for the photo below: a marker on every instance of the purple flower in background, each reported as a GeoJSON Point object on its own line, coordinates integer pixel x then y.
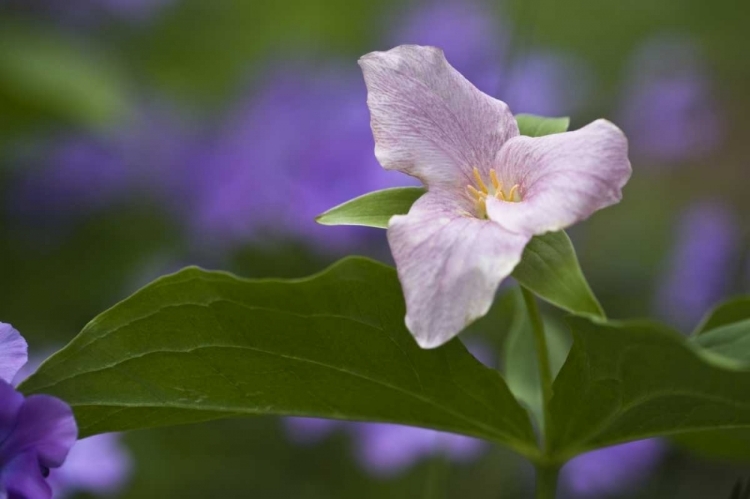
{"type": "Point", "coordinates": [476, 42]}
{"type": "Point", "coordinates": [701, 267]}
{"type": "Point", "coordinates": [387, 449]}
{"type": "Point", "coordinates": [36, 432]}
{"type": "Point", "coordinates": [489, 189]}
{"type": "Point", "coordinates": [301, 143]}
{"type": "Point", "coordinates": [12, 352]}
{"type": "Point", "coordinates": [668, 110]}
{"type": "Point", "coordinates": [77, 174]}
{"type": "Point", "coordinates": [612, 470]}
{"type": "Point", "coordinates": [98, 465]}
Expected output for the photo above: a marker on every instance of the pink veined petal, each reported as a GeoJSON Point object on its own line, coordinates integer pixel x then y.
{"type": "Point", "coordinates": [563, 178]}
{"type": "Point", "coordinates": [428, 120]}
{"type": "Point", "coordinates": [12, 352]}
{"type": "Point", "coordinates": [450, 265]}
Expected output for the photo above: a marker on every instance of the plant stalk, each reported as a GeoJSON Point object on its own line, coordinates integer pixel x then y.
{"type": "Point", "coordinates": [546, 481]}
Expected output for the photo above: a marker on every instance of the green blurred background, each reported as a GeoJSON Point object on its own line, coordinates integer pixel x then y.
{"type": "Point", "coordinates": [137, 137]}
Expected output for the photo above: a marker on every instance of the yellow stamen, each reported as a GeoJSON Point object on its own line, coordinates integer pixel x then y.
{"type": "Point", "coordinates": [500, 195]}
{"type": "Point", "coordinates": [479, 180]}
{"type": "Point", "coordinates": [495, 182]}
{"type": "Point", "coordinates": [512, 193]}
{"type": "Point", "coordinates": [475, 193]}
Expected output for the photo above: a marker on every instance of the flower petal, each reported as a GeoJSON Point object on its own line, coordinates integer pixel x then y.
{"type": "Point", "coordinates": [563, 178]}
{"type": "Point", "coordinates": [449, 265]}
{"type": "Point", "coordinates": [45, 425]}
{"type": "Point", "coordinates": [10, 403]}
{"type": "Point", "coordinates": [12, 352]}
{"type": "Point", "coordinates": [22, 478]}
{"type": "Point", "coordinates": [428, 120]}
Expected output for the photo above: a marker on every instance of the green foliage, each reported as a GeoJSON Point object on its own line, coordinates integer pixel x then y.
{"type": "Point", "coordinates": [728, 312]}
{"type": "Point", "coordinates": [549, 267]}
{"type": "Point", "coordinates": [373, 209]}
{"type": "Point", "coordinates": [537, 126]}
{"type": "Point", "coordinates": [197, 345]}
{"type": "Point", "coordinates": [627, 381]}
{"type": "Point", "coordinates": [49, 74]}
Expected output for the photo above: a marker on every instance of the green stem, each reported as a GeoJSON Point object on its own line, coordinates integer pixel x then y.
{"type": "Point", "coordinates": [546, 482]}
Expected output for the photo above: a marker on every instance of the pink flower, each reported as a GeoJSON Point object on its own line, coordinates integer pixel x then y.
{"type": "Point", "coordinates": [489, 189]}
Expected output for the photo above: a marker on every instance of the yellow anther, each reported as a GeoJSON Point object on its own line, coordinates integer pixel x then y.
{"type": "Point", "coordinates": [475, 193]}
{"type": "Point", "coordinates": [512, 193]}
{"type": "Point", "coordinates": [479, 180]}
{"type": "Point", "coordinates": [495, 182]}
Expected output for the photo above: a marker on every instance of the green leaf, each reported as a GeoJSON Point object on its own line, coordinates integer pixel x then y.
{"type": "Point", "coordinates": [537, 126]}
{"type": "Point", "coordinates": [728, 312]}
{"type": "Point", "coordinates": [628, 381]}
{"type": "Point", "coordinates": [200, 345]}
{"type": "Point", "coordinates": [550, 269]}
{"type": "Point", "coordinates": [520, 359]}
{"type": "Point", "coordinates": [374, 209]}
{"type": "Point", "coordinates": [733, 445]}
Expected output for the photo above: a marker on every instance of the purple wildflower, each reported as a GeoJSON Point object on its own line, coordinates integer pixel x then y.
{"type": "Point", "coordinates": [668, 110]}
{"type": "Point", "coordinates": [700, 268]}
{"type": "Point", "coordinates": [490, 190]}
{"type": "Point", "coordinates": [611, 470]}
{"type": "Point", "coordinates": [98, 465]}
{"type": "Point", "coordinates": [36, 432]}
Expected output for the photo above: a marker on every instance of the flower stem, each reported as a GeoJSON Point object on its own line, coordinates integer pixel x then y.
{"type": "Point", "coordinates": [546, 482]}
{"type": "Point", "coordinates": [546, 474]}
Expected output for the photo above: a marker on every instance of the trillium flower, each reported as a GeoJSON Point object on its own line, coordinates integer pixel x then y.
{"type": "Point", "coordinates": [489, 190]}
{"type": "Point", "coordinates": [36, 432]}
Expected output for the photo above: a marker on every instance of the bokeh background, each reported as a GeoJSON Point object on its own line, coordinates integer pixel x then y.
{"type": "Point", "coordinates": [140, 136]}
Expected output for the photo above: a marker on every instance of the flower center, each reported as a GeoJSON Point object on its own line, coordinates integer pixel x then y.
{"type": "Point", "coordinates": [480, 193]}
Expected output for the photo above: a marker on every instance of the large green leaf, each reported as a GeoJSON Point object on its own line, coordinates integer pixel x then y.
{"type": "Point", "coordinates": [730, 342]}
{"type": "Point", "coordinates": [537, 126]}
{"type": "Point", "coordinates": [373, 209]}
{"type": "Point", "coordinates": [550, 269]}
{"type": "Point", "coordinates": [627, 381]}
{"type": "Point", "coordinates": [201, 345]}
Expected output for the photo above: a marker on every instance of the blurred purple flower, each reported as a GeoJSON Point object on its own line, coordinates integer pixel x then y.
{"type": "Point", "coordinates": [298, 146]}
{"type": "Point", "coordinates": [701, 267]}
{"type": "Point", "coordinates": [476, 42]}
{"type": "Point", "coordinates": [668, 110]}
{"type": "Point", "coordinates": [612, 470]}
{"type": "Point", "coordinates": [387, 449]}
{"type": "Point", "coordinates": [76, 174]}
{"type": "Point", "coordinates": [98, 465]}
